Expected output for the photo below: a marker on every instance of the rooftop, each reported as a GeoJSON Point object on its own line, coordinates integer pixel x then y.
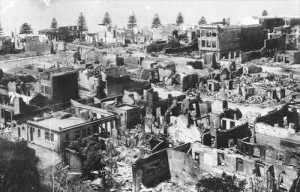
{"type": "Point", "coordinates": [58, 124]}
{"type": "Point", "coordinates": [125, 107]}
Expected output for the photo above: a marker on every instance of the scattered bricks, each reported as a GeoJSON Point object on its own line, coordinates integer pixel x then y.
{"type": "Point", "coordinates": [209, 109]}
{"type": "Point", "coordinates": [135, 142]}
{"type": "Point", "coordinates": [114, 133]}
{"type": "Point", "coordinates": [291, 75]}
{"type": "Point", "coordinates": [213, 85]}
{"type": "Point", "coordinates": [217, 123]}
{"type": "Point", "coordinates": [245, 70]}
{"type": "Point", "coordinates": [123, 140]}
{"type": "Point", "coordinates": [122, 131]}
{"type": "Point", "coordinates": [233, 75]}
{"type": "Point", "coordinates": [203, 109]}
{"type": "Point", "coordinates": [229, 84]}
{"type": "Point", "coordinates": [251, 91]}
{"type": "Point", "coordinates": [128, 142]}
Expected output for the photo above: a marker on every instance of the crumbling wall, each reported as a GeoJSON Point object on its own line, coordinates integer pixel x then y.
{"type": "Point", "coordinates": [65, 87]}
{"type": "Point", "coordinates": [180, 132]}
{"type": "Point", "coordinates": [253, 38]}
{"type": "Point", "coordinates": [133, 60]}
{"type": "Point", "coordinates": [73, 160]}
{"type": "Point", "coordinates": [275, 44]}
{"type": "Point", "coordinates": [275, 117]}
{"type": "Point", "coordinates": [133, 117]}
{"type": "Point", "coordinates": [223, 137]}
{"type": "Point", "coordinates": [230, 39]}
{"type": "Point", "coordinates": [296, 57]}
{"type": "Point", "coordinates": [150, 74]}
{"type": "Point", "coordinates": [44, 48]}
{"type": "Point", "coordinates": [188, 81]}
{"type": "Point", "coordinates": [87, 84]}
{"type": "Point", "coordinates": [189, 48]}
{"type": "Point", "coordinates": [116, 86]}
{"type": "Point", "coordinates": [248, 56]}
{"type": "Point", "coordinates": [93, 56]}
{"type": "Point", "coordinates": [291, 57]}
{"type": "Point", "coordinates": [210, 59]}
{"type": "Point", "coordinates": [119, 60]}
{"type": "Point", "coordinates": [151, 170]}
{"type": "Point", "coordinates": [250, 69]}
{"type": "Point", "coordinates": [195, 64]}
{"type": "Point", "coordinates": [180, 164]}
{"type": "Point", "coordinates": [115, 71]}
{"type": "Point", "coordinates": [165, 74]}
{"type": "Point", "coordinates": [156, 47]}
{"type": "Point", "coordinates": [270, 149]}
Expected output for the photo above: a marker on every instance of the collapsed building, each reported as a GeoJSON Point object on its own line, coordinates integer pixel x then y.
{"type": "Point", "coordinates": [115, 80]}
{"type": "Point", "coordinates": [289, 57]}
{"type": "Point", "coordinates": [275, 145]}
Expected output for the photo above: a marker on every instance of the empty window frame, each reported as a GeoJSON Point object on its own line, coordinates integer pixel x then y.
{"type": "Point", "coordinates": [95, 129]}
{"type": "Point", "coordinates": [83, 132]}
{"type": "Point", "coordinates": [43, 89]}
{"type": "Point", "coordinates": [198, 33]}
{"type": "Point", "coordinates": [47, 90]}
{"type": "Point", "coordinates": [77, 134]}
{"type": "Point", "coordinates": [47, 136]}
{"type": "Point", "coordinates": [256, 152]}
{"type": "Point", "coordinates": [239, 165]}
{"type": "Point", "coordinates": [269, 154]}
{"type": "Point", "coordinates": [208, 43]}
{"type": "Point", "coordinates": [52, 137]}
{"type": "Point", "coordinates": [214, 44]}
{"type": "Point", "coordinates": [208, 34]}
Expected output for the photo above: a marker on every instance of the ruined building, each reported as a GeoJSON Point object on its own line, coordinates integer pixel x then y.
{"type": "Point", "coordinates": [228, 42]}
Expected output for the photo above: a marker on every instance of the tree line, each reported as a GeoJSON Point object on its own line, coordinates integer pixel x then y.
{"type": "Point", "coordinates": [132, 22]}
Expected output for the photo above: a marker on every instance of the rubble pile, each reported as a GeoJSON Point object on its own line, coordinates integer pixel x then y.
{"type": "Point", "coordinates": [173, 187]}
{"type": "Point", "coordinates": [123, 175]}
{"type": "Point", "coordinates": [264, 61]}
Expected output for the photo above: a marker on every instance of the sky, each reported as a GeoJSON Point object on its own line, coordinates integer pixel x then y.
{"type": "Point", "coordinates": [39, 13]}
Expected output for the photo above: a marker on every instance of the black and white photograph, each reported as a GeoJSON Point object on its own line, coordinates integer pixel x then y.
{"type": "Point", "coordinates": [149, 96]}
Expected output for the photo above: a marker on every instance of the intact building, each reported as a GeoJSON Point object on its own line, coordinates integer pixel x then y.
{"type": "Point", "coordinates": [54, 131]}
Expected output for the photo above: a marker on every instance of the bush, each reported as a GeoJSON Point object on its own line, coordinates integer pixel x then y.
{"type": "Point", "coordinates": [225, 183]}
{"type": "Point", "coordinates": [18, 168]}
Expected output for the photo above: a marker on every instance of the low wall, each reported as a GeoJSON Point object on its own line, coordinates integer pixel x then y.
{"type": "Point", "coordinates": [73, 160]}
